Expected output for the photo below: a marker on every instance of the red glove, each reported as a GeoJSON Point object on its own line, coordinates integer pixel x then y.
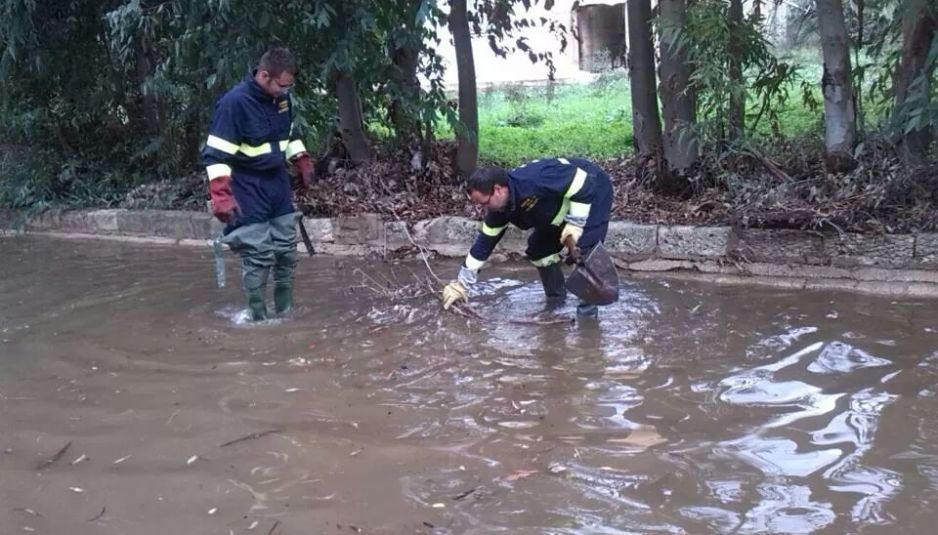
{"type": "Point", "coordinates": [304, 164]}
{"type": "Point", "coordinates": [224, 205]}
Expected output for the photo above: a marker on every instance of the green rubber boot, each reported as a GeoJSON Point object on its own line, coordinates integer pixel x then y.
{"type": "Point", "coordinates": [283, 282]}
{"type": "Point", "coordinates": [283, 243]}
{"type": "Point", "coordinates": [254, 283]}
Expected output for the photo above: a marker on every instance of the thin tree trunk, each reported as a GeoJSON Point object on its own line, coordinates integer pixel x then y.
{"type": "Point", "coordinates": [646, 122]}
{"type": "Point", "coordinates": [680, 143]}
{"type": "Point", "coordinates": [912, 80]}
{"type": "Point", "coordinates": [840, 125]}
{"type": "Point", "coordinates": [467, 152]}
{"type": "Point", "coordinates": [403, 49]}
{"type": "Point", "coordinates": [350, 118]}
{"type": "Point", "coordinates": [737, 111]}
{"type": "Point", "coordinates": [148, 110]}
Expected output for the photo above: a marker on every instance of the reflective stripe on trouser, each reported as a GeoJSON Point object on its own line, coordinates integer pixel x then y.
{"type": "Point", "coordinates": [283, 240]}
{"type": "Point", "coordinates": [255, 246]}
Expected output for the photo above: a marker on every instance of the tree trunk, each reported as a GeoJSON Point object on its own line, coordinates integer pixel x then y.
{"type": "Point", "coordinates": [406, 124]}
{"type": "Point", "coordinates": [646, 123]}
{"type": "Point", "coordinates": [467, 152]}
{"type": "Point", "coordinates": [912, 81]}
{"type": "Point", "coordinates": [350, 118]}
{"type": "Point", "coordinates": [737, 111]}
{"type": "Point", "coordinates": [148, 110]}
{"type": "Point", "coordinates": [404, 51]}
{"type": "Point", "coordinates": [680, 143]}
{"type": "Point", "coordinates": [840, 124]}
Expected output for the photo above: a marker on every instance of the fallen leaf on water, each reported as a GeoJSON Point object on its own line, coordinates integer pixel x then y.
{"type": "Point", "coordinates": [81, 458]}
{"type": "Point", "coordinates": [122, 459]}
{"type": "Point", "coordinates": [644, 437]}
{"type": "Point", "coordinates": [76, 489]}
{"type": "Point", "coordinates": [253, 525]}
{"type": "Point", "coordinates": [192, 459]}
{"type": "Point", "coordinates": [438, 505]}
{"type": "Point", "coordinates": [213, 510]}
{"type": "Point", "coordinates": [520, 474]}
{"type": "Point", "coordinates": [291, 390]}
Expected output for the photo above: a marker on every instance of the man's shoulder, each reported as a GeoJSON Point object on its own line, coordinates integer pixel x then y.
{"type": "Point", "coordinates": [235, 96]}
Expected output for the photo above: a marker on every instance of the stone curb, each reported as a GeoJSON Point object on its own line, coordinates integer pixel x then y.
{"type": "Point", "coordinates": [798, 259]}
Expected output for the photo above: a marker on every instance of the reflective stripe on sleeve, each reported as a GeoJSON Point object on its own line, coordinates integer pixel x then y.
{"type": "Point", "coordinates": [474, 263]}
{"type": "Point", "coordinates": [218, 170]}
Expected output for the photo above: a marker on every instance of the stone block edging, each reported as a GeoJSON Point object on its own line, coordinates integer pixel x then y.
{"type": "Point", "coordinates": [720, 252]}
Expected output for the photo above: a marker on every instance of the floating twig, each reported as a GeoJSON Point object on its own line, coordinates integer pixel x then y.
{"type": "Point", "coordinates": [272, 528]}
{"type": "Point", "coordinates": [98, 516]}
{"type": "Point", "coordinates": [252, 436]}
{"type": "Point", "coordinates": [52, 460]}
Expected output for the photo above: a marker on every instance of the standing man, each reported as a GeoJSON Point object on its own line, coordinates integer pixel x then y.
{"type": "Point", "coordinates": [249, 143]}
{"type": "Point", "coordinates": [558, 198]}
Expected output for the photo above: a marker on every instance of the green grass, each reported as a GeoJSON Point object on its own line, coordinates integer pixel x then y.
{"type": "Point", "coordinates": [594, 120]}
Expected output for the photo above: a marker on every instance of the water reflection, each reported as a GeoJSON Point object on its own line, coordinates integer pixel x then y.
{"type": "Point", "coordinates": [687, 408]}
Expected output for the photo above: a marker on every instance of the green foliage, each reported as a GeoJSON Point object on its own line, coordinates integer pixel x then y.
{"type": "Point", "coordinates": [712, 41]}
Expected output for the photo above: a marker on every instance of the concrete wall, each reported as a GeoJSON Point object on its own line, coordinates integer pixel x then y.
{"type": "Point", "coordinates": [903, 265]}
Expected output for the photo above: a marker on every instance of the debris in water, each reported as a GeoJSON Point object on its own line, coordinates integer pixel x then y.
{"type": "Point", "coordinates": [292, 390]}
{"type": "Point", "coordinates": [252, 436]}
{"type": "Point", "coordinates": [81, 458]}
{"type": "Point", "coordinates": [78, 490]}
{"type": "Point", "coordinates": [438, 505]}
{"type": "Point", "coordinates": [272, 528]}
{"type": "Point", "coordinates": [52, 460]}
{"type": "Point", "coordinates": [213, 510]}
{"type": "Point", "coordinates": [462, 495]}
{"type": "Point", "coordinates": [122, 459]}
{"type": "Point", "coordinates": [192, 459]}
{"type": "Point", "coordinates": [253, 525]}
{"type": "Point", "coordinates": [28, 511]}
{"type": "Point", "coordinates": [99, 515]}
{"type": "Point", "coordinates": [556, 468]}
{"type": "Point", "coordinates": [520, 474]}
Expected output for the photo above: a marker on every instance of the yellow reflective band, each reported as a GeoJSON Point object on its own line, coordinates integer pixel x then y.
{"type": "Point", "coordinates": [492, 231]}
{"type": "Point", "coordinates": [578, 180]}
{"type": "Point", "coordinates": [474, 263]}
{"type": "Point", "coordinates": [579, 210]}
{"type": "Point", "coordinates": [546, 261]}
{"type": "Point", "coordinates": [218, 170]}
{"type": "Point", "coordinates": [254, 150]}
{"type": "Point", "coordinates": [218, 143]}
{"type": "Point", "coordinates": [283, 144]}
{"type": "Point", "coordinates": [295, 147]}
{"type": "Point", "coordinates": [563, 161]}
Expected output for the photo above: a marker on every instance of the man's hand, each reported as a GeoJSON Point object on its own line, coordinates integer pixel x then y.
{"type": "Point", "coordinates": [571, 231]}
{"type": "Point", "coordinates": [304, 167]}
{"type": "Point", "coordinates": [453, 292]}
{"type": "Point", "coordinates": [224, 205]}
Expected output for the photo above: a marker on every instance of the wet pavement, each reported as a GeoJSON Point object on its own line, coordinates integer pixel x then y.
{"type": "Point", "coordinates": [687, 408]}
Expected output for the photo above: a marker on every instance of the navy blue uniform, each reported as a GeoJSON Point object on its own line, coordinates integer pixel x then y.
{"type": "Point", "coordinates": [251, 137]}
{"type": "Point", "coordinates": [545, 195]}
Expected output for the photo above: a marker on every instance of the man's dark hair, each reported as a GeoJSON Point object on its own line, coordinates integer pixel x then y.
{"type": "Point", "coordinates": [484, 180]}
{"type": "Point", "coordinates": [276, 61]}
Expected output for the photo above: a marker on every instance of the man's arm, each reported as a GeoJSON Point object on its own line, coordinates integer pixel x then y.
{"type": "Point", "coordinates": [224, 141]}
{"type": "Point", "coordinates": [493, 228]}
{"type": "Point", "coordinates": [297, 153]}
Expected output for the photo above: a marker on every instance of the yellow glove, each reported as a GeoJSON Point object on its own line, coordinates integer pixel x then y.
{"type": "Point", "coordinates": [453, 292]}
{"type": "Point", "coordinates": [571, 230]}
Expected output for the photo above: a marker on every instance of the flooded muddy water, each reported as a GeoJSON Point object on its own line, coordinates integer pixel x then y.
{"type": "Point", "coordinates": [687, 408]}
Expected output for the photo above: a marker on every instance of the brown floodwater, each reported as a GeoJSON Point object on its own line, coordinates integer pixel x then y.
{"type": "Point", "coordinates": [686, 408]}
